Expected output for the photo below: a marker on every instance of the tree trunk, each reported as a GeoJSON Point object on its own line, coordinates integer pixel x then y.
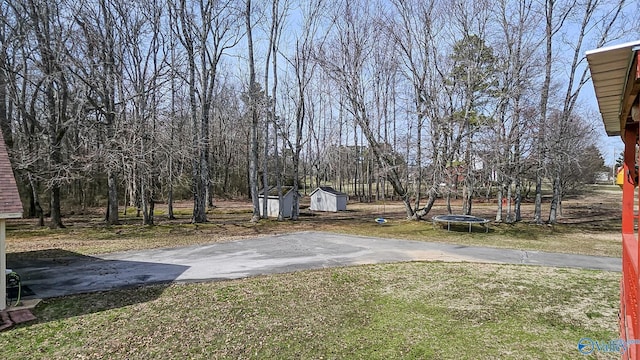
{"type": "Point", "coordinates": [508, 202]}
{"type": "Point", "coordinates": [253, 161]}
{"type": "Point", "coordinates": [32, 201]}
{"type": "Point", "coordinates": [198, 186]}
{"type": "Point", "coordinates": [152, 207]}
{"type": "Point", "coordinates": [5, 121]}
{"type": "Point", "coordinates": [170, 214]}
{"type": "Point", "coordinates": [112, 201]}
{"type": "Point", "coordinates": [265, 169]}
{"type": "Point", "coordinates": [56, 216]}
{"type": "Point", "coordinates": [211, 171]}
{"type": "Point", "coordinates": [538, 202]}
{"type": "Point", "coordinates": [555, 201]}
{"type": "Point", "coordinates": [148, 202]}
{"type": "Point", "coordinates": [37, 209]}
{"type": "Point", "coordinates": [427, 208]}
{"type": "Point", "coordinates": [55, 159]}
{"type": "Point", "coordinates": [544, 100]}
{"type": "Point", "coordinates": [518, 212]}
{"type": "Point", "coordinates": [295, 211]}
{"type": "Point", "coordinates": [199, 195]}
{"type": "Point", "coordinates": [500, 209]}
{"type": "Point", "coordinates": [468, 199]}
{"type": "Point", "coordinates": [145, 203]}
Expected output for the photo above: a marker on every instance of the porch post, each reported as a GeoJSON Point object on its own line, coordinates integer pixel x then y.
{"type": "Point", "coordinates": [630, 136]}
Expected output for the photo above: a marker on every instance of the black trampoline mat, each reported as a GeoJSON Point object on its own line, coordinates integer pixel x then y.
{"type": "Point", "coordinates": [460, 218]}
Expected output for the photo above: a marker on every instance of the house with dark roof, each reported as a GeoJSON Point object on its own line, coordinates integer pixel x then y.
{"type": "Point", "coordinates": [325, 198]}
{"type": "Point", "coordinates": [10, 208]}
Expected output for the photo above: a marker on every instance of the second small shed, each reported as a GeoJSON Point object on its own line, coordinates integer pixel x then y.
{"type": "Point", "coordinates": [273, 203]}
{"type": "Point", "coordinates": [325, 198]}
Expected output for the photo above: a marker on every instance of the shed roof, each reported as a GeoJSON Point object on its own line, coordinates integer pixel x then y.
{"type": "Point", "coordinates": [10, 203]}
{"type": "Point", "coordinates": [610, 69]}
{"type": "Point", "coordinates": [273, 192]}
{"type": "Point", "coordinates": [329, 190]}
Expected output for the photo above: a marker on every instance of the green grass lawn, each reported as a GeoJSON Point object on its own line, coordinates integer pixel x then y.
{"type": "Point", "coordinates": [408, 310]}
{"type": "Point", "coordinates": [525, 236]}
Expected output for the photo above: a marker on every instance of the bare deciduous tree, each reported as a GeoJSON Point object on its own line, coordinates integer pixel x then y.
{"type": "Point", "coordinates": [205, 30]}
{"type": "Point", "coordinates": [59, 108]}
{"type": "Point", "coordinates": [253, 94]}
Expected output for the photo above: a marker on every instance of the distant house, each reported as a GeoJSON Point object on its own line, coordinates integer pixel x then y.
{"type": "Point", "coordinates": [326, 198]}
{"type": "Point", "coordinates": [602, 177]}
{"type": "Point", "coordinates": [273, 204]}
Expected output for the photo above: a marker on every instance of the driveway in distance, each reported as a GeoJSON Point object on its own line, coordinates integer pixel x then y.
{"type": "Point", "coordinates": [265, 255]}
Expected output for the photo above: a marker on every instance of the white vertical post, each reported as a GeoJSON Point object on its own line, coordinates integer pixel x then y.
{"type": "Point", "coordinates": [3, 266]}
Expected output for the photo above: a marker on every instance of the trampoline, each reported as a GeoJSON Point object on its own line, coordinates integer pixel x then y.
{"type": "Point", "coordinates": [460, 219]}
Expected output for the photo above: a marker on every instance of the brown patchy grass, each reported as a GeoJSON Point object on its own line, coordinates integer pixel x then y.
{"type": "Point", "coordinates": [590, 225]}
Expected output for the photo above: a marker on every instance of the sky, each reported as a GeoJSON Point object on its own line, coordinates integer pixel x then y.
{"type": "Point", "coordinates": [611, 146]}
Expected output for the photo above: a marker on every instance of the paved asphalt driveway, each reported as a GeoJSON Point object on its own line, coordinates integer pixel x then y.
{"type": "Point", "coordinates": [264, 255]}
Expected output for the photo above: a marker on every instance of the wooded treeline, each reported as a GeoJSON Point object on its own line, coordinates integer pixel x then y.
{"type": "Point", "coordinates": [127, 103]}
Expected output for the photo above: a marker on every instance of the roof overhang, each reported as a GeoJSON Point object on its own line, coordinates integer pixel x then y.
{"type": "Point", "coordinates": [615, 74]}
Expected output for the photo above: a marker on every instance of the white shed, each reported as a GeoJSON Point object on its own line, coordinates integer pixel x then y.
{"type": "Point", "coordinates": [273, 205]}
{"type": "Point", "coordinates": [326, 198]}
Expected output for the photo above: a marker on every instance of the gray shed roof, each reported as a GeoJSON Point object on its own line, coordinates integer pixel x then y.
{"type": "Point", "coordinates": [329, 190]}
{"type": "Point", "coordinates": [610, 69]}
{"type": "Point", "coordinates": [273, 192]}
